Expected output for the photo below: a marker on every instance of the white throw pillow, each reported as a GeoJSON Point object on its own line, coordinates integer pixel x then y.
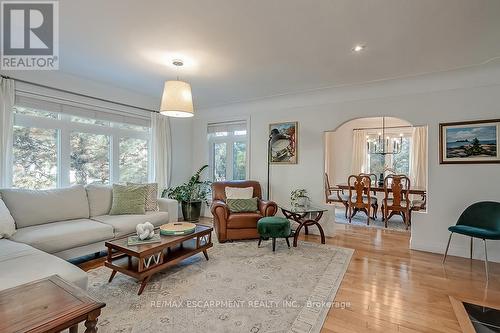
{"type": "Point", "coordinates": [7, 224]}
{"type": "Point", "coordinates": [239, 192]}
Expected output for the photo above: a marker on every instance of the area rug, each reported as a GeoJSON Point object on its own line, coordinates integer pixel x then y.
{"type": "Point", "coordinates": [395, 223]}
{"type": "Point", "coordinates": [241, 288]}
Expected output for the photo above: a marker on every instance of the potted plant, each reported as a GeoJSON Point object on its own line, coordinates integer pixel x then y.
{"type": "Point", "coordinates": [191, 195]}
{"type": "Point", "coordinates": [299, 197]}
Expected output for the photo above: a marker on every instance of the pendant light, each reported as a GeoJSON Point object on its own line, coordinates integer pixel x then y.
{"type": "Point", "coordinates": [177, 100]}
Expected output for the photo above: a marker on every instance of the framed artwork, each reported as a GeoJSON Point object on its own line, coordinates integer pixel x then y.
{"type": "Point", "coordinates": [469, 142]}
{"type": "Point", "coordinates": [283, 143]}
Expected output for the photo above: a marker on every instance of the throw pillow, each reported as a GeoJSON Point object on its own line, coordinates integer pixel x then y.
{"type": "Point", "coordinates": [239, 192]}
{"type": "Point", "coordinates": [128, 199]}
{"type": "Point", "coordinates": [242, 205]}
{"type": "Point", "coordinates": [7, 224]}
{"type": "Point", "coordinates": [151, 196]}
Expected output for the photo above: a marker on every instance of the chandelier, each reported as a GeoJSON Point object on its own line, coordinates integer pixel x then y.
{"type": "Point", "coordinates": [384, 145]}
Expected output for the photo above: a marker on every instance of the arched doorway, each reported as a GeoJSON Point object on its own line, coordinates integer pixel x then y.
{"type": "Point", "coordinates": [380, 146]}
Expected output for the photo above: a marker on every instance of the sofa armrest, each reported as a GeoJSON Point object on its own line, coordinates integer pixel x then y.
{"type": "Point", "coordinates": [267, 208]}
{"type": "Point", "coordinates": [171, 206]}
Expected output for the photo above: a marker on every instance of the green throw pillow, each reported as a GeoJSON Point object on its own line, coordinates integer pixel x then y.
{"type": "Point", "coordinates": [128, 199]}
{"type": "Point", "coordinates": [242, 205]}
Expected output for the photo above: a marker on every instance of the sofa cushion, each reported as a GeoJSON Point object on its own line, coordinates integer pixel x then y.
{"type": "Point", "coordinates": [34, 207]}
{"type": "Point", "coordinates": [128, 199]}
{"type": "Point", "coordinates": [243, 220]}
{"type": "Point", "coordinates": [125, 224]}
{"type": "Point", "coordinates": [151, 195]}
{"type": "Point", "coordinates": [7, 224]}
{"type": "Point", "coordinates": [100, 199]}
{"type": "Point", "coordinates": [60, 236]}
{"type": "Point", "coordinates": [22, 263]}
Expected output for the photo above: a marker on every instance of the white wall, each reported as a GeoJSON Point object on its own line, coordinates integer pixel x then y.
{"type": "Point", "coordinates": [467, 94]}
{"type": "Point", "coordinates": [181, 128]}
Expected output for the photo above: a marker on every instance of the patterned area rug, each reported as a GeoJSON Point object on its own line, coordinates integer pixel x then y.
{"type": "Point", "coordinates": [241, 288]}
{"type": "Point", "coordinates": [395, 223]}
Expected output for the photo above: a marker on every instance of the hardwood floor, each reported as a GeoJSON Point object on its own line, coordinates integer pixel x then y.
{"type": "Point", "coordinates": [390, 288]}
{"type": "Point", "coordinates": [393, 289]}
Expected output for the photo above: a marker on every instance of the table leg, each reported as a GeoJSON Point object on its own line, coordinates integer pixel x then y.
{"type": "Point", "coordinates": [297, 231]}
{"type": "Point", "coordinates": [306, 230]}
{"type": "Point", "coordinates": [73, 329]}
{"type": "Point", "coordinates": [144, 282]}
{"type": "Point", "coordinates": [91, 322]}
{"type": "Point", "coordinates": [205, 253]}
{"type": "Point", "coordinates": [112, 276]}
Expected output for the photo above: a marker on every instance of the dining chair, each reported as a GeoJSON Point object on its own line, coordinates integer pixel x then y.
{"type": "Point", "coordinates": [335, 194]}
{"type": "Point", "coordinates": [479, 220]}
{"type": "Point", "coordinates": [373, 179]}
{"type": "Point", "coordinates": [396, 198]}
{"type": "Point", "coordinates": [359, 196]}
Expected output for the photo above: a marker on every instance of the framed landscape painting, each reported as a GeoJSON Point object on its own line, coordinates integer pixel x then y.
{"type": "Point", "coordinates": [469, 142]}
{"type": "Point", "coordinates": [283, 143]}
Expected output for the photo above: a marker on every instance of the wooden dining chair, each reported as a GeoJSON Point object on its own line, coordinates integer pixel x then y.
{"type": "Point", "coordinates": [335, 194]}
{"type": "Point", "coordinates": [359, 196]}
{"type": "Point", "coordinates": [396, 198]}
{"type": "Point", "coordinates": [373, 178]}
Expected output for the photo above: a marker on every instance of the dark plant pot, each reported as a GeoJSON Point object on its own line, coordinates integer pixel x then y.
{"type": "Point", "coordinates": [191, 210]}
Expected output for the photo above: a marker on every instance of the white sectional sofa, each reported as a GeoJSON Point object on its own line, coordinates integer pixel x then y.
{"type": "Point", "coordinates": [66, 223]}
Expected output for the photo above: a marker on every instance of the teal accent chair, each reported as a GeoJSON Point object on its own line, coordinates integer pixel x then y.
{"type": "Point", "coordinates": [479, 220]}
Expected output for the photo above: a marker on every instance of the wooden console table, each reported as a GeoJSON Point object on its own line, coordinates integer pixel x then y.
{"type": "Point", "coordinates": [47, 305]}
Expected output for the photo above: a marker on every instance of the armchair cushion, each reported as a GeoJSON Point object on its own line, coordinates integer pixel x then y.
{"type": "Point", "coordinates": [243, 220]}
{"type": "Point", "coordinates": [242, 205]}
{"type": "Point", "coordinates": [238, 192]}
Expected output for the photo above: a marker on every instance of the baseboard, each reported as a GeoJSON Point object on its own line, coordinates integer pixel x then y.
{"type": "Point", "coordinates": [460, 248]}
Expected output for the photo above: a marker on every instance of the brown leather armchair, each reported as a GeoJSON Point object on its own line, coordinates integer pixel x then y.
{"type": "Point", "coordinates": [229, 226]}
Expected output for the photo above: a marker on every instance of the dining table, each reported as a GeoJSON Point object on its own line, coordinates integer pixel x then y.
{"type": "Point", "coordinates": [375, 187]}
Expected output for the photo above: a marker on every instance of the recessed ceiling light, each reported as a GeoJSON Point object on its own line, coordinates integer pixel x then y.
{"type": "Point", "coordinates": [358, 48]}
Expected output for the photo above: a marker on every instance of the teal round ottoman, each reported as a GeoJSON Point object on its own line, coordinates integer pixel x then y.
{"type": "Point", "coordinates": [274, 227]}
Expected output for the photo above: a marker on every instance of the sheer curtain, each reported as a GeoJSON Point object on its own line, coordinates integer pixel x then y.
{"type": "Point", "coordinates": [161, 148]}
{"type": "Point", "coordinates": [7, 99]}
{"type": "Point", "coordinates": [418, 157]}
{"type": "Point", "coordinates": [359, 152]}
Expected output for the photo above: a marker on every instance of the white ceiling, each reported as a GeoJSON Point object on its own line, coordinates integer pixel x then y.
{"type": "Point", "coordinates": [239, 50]}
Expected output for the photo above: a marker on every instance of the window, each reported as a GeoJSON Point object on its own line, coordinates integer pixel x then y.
{"type": "Point", "coordinates": [399, 163]}
{"type": "Point", "coordinates": [55, 149]}
{"type": "Point", "coordinates": [228, 151]}
{"type": "Point", "coordinates": [133, 160]}
{"type": "Point", "coordinates": [89, 158]}
{"type": "Point", "coordinates": [35, 157]}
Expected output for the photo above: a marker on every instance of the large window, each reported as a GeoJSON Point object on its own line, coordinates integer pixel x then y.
{"type": "Point", "coordinates": [228, 151]}
{"type": "Point", "coordinates": [398, 163]}
{"type": "Point", "coordinates": [55, 149]}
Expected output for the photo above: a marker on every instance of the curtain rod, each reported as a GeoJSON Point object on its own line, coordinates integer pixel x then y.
{"type": "Point", "coordinates": [78, 94]}
{"type": "Point", "coordinates": [367, 128]}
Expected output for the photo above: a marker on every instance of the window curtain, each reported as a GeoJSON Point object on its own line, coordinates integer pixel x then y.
{"type": "Point", "coordinates": [161, 147]}
{"type": "Point", "coordinates": [359, 152]}
{"type": "Point", "coordinates": [418, 157]}
{"type": "Point", "coordinates": [7, 99]}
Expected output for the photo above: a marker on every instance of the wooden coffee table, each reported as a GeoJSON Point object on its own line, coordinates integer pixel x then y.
{"type": "Point", "coordinates": [47, 305]}
{"type": "Point", "coordinates": [142, 261]}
